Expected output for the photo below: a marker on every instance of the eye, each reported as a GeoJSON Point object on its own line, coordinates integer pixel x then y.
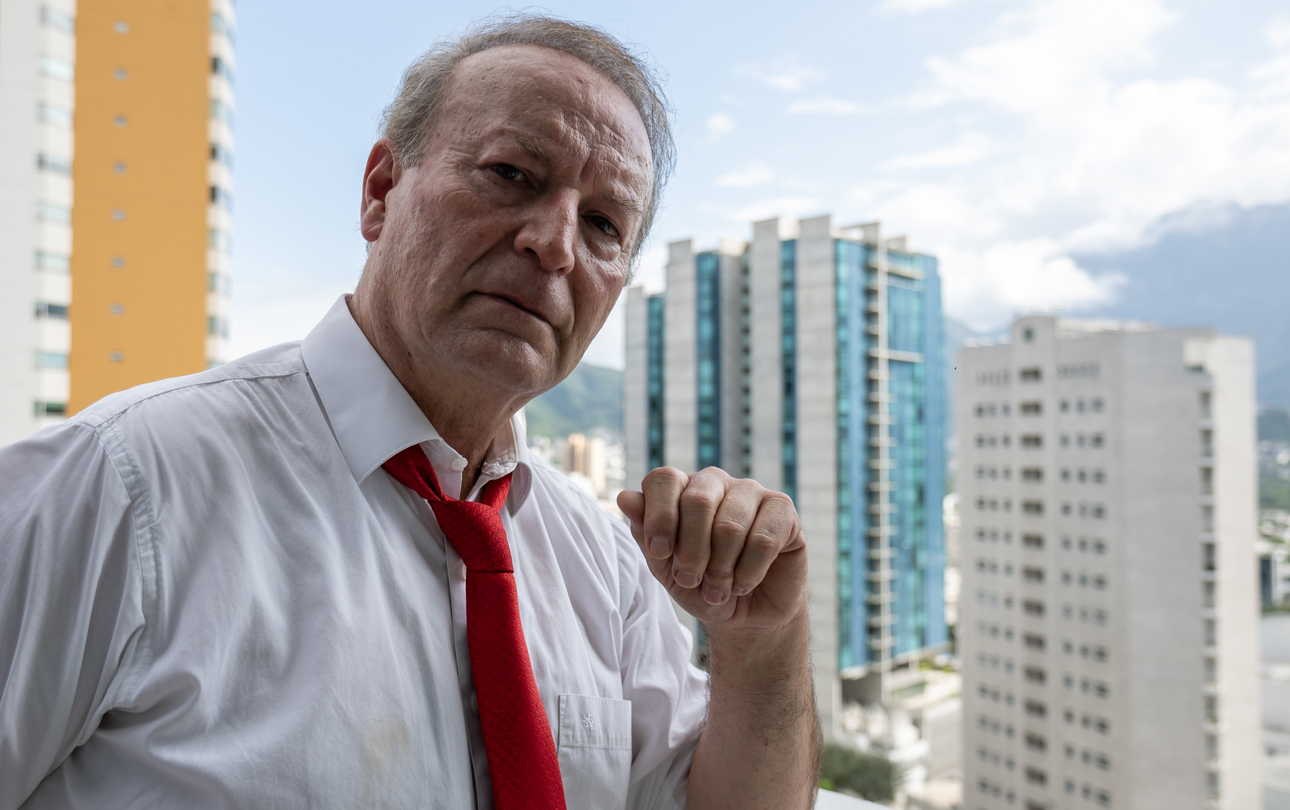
{"type": "Point", "coordinates": [508, 172]}
{"type": "Point", "coordinates": [603, 225]}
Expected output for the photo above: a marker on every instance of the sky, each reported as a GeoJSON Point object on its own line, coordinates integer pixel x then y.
{"type": "Point", "coordinates": [1006, 137]}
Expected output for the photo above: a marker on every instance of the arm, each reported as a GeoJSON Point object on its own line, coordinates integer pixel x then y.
{"type": "Point", "coordinates": [732, 554]}
{"type": "Point", "coordinates": [70, 600]}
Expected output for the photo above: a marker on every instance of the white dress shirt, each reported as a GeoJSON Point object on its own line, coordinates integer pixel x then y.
{"type": "Point", "coordinates": [212, 596]}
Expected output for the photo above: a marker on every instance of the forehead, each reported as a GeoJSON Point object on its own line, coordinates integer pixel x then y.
{"type": "Point", "coordinates": [546, 98]}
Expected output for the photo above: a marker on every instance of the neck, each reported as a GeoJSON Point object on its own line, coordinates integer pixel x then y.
{"type": "Point", "coordinates": [463, 414]}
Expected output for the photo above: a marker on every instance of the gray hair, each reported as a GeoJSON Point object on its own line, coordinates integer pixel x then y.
{"type": "Point", "coordinates": [409, 119]}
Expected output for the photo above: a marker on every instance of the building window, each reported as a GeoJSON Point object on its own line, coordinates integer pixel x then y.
{"type": "Point", "coordinates": [1031, 408]}
{"type": "Point", "coordinates": [57, 409]}
{"type": "Point", "coordinates": [1035, 708]}
{"type": "Point", "coordinates": [58, 116]}
{"type": "Point", "coordinates": [788, 364]}
{"type": "Point", "coordinates": [56, 214]}
{"type": "Point", "coordinates": [53, 262]}
{"type": "Point", "coordinates": [45, 163]}
{"type": "Point", "coordinates": [57, 20]}
{"type": "Point", "coordinates": [47, 310]}
{"type": "Point", "coordinates": [1032, 442]}
{"type": "Point", "coordinates": [1035, 575]}
{"type": "Point", "coordinates": [221, 26]}
{"type": "Point", "coordinates": [1033, 642]}
{"type": "Point", "coordinates": [57, 68]}
{"type": "Point", "coordinates": [708, 357]}
{"type": "Point", "coordinates": [1030, 375]}
{"type": "Point", "coordinates": [1035, 675]}
{"type": "Point", "coordinates": [654, 308]}
{"type": "Point", "coordinates": [1033, 475]}
{"type": "Point", "coordinates": [55, 360]}
{"type": "Point", "coordinates": [1035, 508]}
{"type": "Point", "coordinates": [1032, 607]}
{"type": "Point", "coordinates": [1036, 742]}
{"type": "Point", "coordinates": [1035, 776]}
{"type": "Point", "coordinates": [1035, 541]}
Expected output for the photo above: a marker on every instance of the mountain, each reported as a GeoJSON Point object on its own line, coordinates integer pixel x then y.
{"type": "Point", "coordinates": [1213, 265]}
{"type": "Point", "coordinates": [589, 399]}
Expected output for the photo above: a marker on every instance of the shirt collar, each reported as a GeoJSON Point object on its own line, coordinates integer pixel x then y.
{"type": "Point", "coordinates": [373, 416]}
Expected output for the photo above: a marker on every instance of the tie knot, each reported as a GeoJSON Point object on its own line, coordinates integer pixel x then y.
{"type": "Point", "coordinates": [473, 527]}
{"type": "Point", "coordinates": [475, 530]}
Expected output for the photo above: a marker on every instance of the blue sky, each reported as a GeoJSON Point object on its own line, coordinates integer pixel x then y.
{"type": "Point", "coordinates": [1005, 136]}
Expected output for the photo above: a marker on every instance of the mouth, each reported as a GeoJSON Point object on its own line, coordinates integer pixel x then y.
{"type": "Point", "coordinates": [517, 305]}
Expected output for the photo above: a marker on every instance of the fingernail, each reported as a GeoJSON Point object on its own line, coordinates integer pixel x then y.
{"type": "Point", "coordinates": [685, 579]}
{"type": "Point", "coordinates": [659, 548]}
{"type": "Point", "coordinates": [713, 596]}
{"type": "Point", "coordinates": [739, 590]}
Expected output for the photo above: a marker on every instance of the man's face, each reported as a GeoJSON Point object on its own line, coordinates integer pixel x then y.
{"type": "Point", "coordinates": [500, 254]}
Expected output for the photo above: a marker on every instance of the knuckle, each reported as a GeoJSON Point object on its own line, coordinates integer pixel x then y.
{"type": "Point", "coordinates": [663, 475]}
{"type": "Point", "coordinates": [727, 529]}
{"type": "Point", "coordinates": [763, 542]}
{"type": "Point", "coordinates": [696, 498]}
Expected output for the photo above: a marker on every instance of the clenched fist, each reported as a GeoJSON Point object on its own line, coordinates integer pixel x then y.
{"type": "Point", "coordinates": [728, 550]}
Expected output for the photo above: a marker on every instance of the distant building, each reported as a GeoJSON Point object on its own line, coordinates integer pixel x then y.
{"type": "Point", "coordinates": [127, 109]}
{"type": "Point", "coordinates": [587, 456]}
{"type": "Point", "coordinates": [1109, 607]}
{"type": "Point", "coordinates": [810, 360]}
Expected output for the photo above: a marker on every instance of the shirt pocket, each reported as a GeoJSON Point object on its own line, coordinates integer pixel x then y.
{"type": "Point", "coordinates": [595, 747]}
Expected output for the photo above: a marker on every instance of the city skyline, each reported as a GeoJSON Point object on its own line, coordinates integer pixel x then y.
{"type": "Point", "coordinates": [1004, 136]}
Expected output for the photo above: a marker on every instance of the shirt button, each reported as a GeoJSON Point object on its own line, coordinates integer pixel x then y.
{"type": "Point", "coordinates": [459, 464]}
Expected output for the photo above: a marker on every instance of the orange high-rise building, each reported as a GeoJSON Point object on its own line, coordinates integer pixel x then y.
{"type": "Point", "coordinates": [115, 258]}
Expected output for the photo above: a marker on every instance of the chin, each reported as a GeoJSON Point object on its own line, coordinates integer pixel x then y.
{"type": "Point", "coordinates": [514, 365]}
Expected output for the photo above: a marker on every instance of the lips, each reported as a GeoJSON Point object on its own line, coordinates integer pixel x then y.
{"type": "Point", "coordinates": [524, 306]}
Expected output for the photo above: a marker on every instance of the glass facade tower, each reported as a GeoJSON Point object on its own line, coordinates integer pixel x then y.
{"type": "Point", "coordinates": [830, 374]}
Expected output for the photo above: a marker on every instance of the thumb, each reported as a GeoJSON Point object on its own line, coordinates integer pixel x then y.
{"type": "Point", "coordinates": [632, 503]}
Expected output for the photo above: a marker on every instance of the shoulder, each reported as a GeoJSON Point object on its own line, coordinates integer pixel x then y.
{"type": "Point", "coordinates": [219, 388]}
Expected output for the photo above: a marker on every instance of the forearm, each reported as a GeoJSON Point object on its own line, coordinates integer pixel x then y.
{"type": "Point", "coordinates": [761, 745]}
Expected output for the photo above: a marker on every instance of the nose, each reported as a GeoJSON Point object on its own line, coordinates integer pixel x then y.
{"type": "Point", "coordinates": [551, 231]}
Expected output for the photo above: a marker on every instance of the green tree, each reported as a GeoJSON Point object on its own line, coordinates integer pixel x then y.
{"type": "Point", "coordinates": [869, 776]}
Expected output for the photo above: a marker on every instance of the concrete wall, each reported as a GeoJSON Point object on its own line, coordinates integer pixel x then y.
{"type": "Point", "coordinates": [1229, 362]}
{"type": "Point", "coordinates": [767, 381]}
{"type": "Point", "coordinates": [680, 376]}
{"type": "Point", "coordinates": [636, 389]}
{"type": "Point", "coordinates": [732, 376]}
{"type": "Point", "coordinates": [817, 450]}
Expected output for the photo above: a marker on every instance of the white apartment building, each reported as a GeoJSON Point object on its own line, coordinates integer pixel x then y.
{"type": "Point", "coordinates": [1109, 606]}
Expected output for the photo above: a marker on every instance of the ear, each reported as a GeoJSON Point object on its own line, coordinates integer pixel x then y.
{"type": "Point", "coordinates": [379, 179]}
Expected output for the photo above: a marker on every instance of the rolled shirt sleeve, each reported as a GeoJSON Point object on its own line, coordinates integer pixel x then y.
{"type": "Point", "coordinates": [71, 598]}
{"type": "Point", "coordinates": [669, 696]}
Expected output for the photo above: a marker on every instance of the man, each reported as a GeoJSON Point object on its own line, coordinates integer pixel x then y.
{"type": "Point", "coordinates": [256, 586]}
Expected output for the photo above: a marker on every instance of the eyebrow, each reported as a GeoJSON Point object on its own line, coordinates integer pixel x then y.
{"type": "Point", "coordinates": [529, 145]}
{"type": "Point", "coordinates": [535, 150]}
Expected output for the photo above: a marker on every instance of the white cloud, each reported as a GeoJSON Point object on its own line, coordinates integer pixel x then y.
{"type": "Point", "coordinates": [785, 73]}
{"type": "Point", "coordinates": [913, 6]}
{"type": "Point", "coordinates": [971, 147]}
{"type": "Point", "coordinates": [825, 106]}
{"type": "Point", "coordinates": [1089, 151]}
{"type": "Point", "coordinates": [990, 286]}
{"type": "Point", "coordinates": [719, 125]}
{"type": "Point", "coordinates": [1278, 32]}
{"type": "Point", "coordinates": [747, 176]}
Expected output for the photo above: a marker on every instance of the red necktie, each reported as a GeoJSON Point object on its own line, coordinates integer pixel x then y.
{"type": "Point", "coordinates": [522, 761]}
